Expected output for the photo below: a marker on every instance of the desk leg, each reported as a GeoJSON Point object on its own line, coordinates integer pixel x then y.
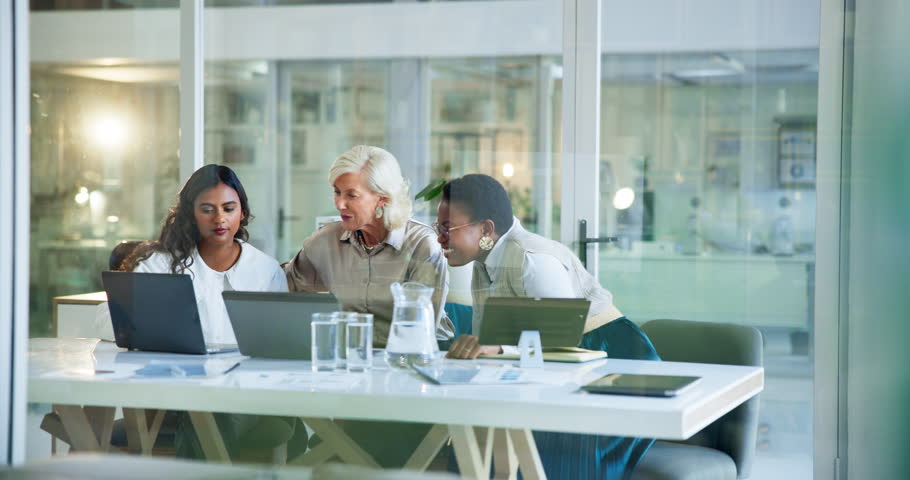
{"type": "Point", "coordinates": [102, 420]}
{"type": "Point", "coordinates": [77, 426]}
{"type": "Point", "coordinates": [209, 437]}
{"type": "Point", "coordinates": [528, 456]}
{"type": "Point", "coordinates": [467, 452]}
{"type": "Point", "coordinates": [485, 445]}
{"type": "Point", "coordinates": [343, 445]}
{"type": "Point", "coordinates": [140, 434]}
{"type": "Point", "coordinates": [506, 463]}
{"type": "Point", "coordinates": [428, 448]}
{"type": "Point", "coordinates": [315, 456]}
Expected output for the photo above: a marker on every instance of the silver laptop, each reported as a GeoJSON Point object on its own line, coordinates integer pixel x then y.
{"type": "Point", "coordinates": [560, 321]}
{"type": "Point", "coordinates": [275, 324]}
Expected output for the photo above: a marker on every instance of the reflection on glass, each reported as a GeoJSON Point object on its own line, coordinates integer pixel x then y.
{"type": "Point", "coordinates": [487, 117]}
{"type": "Point", "coordinates": [707, 181]}
{"type": "Point", "coordinates": [104, 169]}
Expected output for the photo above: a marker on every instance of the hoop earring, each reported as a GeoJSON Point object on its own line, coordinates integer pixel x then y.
{"type": "Point", "coordinates": [379, 212]}
{"type": "Point", "coordinates": [486, 243]}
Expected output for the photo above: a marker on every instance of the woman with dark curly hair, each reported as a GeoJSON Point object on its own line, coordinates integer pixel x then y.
{"type": "Point", "coordinates": [204, 235]}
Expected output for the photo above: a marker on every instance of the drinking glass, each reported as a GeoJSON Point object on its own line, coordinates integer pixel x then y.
{"type": "Point", "coordinates": [325, 338]}
{"type": "Point", "coordinates": [359, 346]}
{"type": "Point", "coordinates": [342, 318]}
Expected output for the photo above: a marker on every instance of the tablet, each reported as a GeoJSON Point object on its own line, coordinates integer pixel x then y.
{"type": "Point", "coordinates": [560, 321]}
{"type": "Point", "coordinates": [637, 384]}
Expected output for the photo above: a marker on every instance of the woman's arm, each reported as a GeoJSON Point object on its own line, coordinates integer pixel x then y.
{"type": "Point", "coordinates": [431, 269]}
{"type": "Point", "coordinates": [300, 273]}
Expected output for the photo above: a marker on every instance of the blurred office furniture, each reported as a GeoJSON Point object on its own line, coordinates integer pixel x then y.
{"type": "Point", "coordinates": [725, 449]}
{"type": "Point", "coordinates": [75, 316]}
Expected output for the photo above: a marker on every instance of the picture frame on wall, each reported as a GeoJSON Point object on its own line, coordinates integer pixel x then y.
{"type": "Point", "coordinates": [724, 151]}
{"type": "Point", "coordinates": [796, 142]}
{"type": "Point", "coordinates": [299, 148]}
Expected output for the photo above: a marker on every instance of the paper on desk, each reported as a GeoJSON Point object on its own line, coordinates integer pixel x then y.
{"type": "Point", "coordinates": [296, 380]}
{"type": "Point", "coordinates": [549, 375]}
{"type": "Point", "coordinates": [470, 375]}
{"type": "Point", "coordinates": [185, 369]}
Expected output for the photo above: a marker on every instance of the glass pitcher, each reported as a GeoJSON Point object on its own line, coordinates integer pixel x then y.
{"type": "Point", "coordinates": [412, 336]}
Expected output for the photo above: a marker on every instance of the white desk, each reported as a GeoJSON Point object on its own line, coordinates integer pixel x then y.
{"type": "Point", "coordinates": [385, 394]}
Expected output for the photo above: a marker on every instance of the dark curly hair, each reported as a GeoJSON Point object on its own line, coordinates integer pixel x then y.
{"type": "Point", "coordinates": [482, 197]}
{"type": "Point", "coordinates": [179, 233]}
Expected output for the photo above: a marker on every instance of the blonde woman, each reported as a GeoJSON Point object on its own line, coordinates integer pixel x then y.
{"type": "Point", "coordinates": [375, 244]}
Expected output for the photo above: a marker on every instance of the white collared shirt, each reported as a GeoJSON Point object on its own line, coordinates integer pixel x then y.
{"type": "Point", "coordinates": [542, 274]}
{"type": "Point", "coordinates": [254, 271]}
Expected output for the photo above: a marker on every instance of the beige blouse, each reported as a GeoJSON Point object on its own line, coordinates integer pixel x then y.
{"type": "Point", "coordinates": [333, 259]}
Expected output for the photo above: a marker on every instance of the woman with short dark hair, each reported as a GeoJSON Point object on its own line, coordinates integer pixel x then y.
{"type": "Point", "coordinates": [475, 224]}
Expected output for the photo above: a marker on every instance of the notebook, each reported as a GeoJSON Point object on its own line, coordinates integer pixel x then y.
{"type": "Point", "coordinates": [156, 312]}
{"type": "Point", "coordinates": [558, 354]}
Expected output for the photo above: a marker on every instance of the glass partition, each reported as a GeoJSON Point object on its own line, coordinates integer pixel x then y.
{"type": "Point", "coordinates": [707, 183]}
{"type": "Point", "coordinates": [281, 120]}
{"type": "Point", "coordinates": [706, 170]}
{"type": "Point", "coordinates": [104, 169]}
{"type": "Point", "coordinates": [496, 116]}
{"type": "Point", "coordinates": [104, 159]}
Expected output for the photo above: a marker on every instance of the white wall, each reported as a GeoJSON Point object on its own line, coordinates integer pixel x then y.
{"type": "Point", "coordinates": [444, 29]}
{"type": "Point", "coordinates": [877, 434]}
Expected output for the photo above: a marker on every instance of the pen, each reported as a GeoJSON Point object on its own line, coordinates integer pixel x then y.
{"type": "Point", "coordinates": [231, 369]}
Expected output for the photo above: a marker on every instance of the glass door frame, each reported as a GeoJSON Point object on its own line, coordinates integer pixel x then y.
{"type": "Point", "coordinates": [581, 125]}
{"type": "Point", "coordinates": [829, 333]}
{"type": "Point", "coordinates": [14, 227]}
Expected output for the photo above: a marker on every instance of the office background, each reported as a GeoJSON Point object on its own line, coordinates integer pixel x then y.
{"type": "Point", "coordinates": [717, 131]}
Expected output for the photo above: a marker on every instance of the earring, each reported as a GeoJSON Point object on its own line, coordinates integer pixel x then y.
{"type": "Point", "coordinates": [486, 243]}
{"type": "Point", "coordinates": [379, 212]}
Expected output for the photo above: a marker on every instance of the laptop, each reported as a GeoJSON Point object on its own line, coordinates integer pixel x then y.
{"type": "Point", "coordinates": [275, 324]}
{"type": "Point", "coordinates": [156, 312]}
{"type": "Point", "coordinates": [560, 321]}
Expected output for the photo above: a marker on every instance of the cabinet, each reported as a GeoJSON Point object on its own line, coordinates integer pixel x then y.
{"type": "Point", "coordinates": [761, 291]}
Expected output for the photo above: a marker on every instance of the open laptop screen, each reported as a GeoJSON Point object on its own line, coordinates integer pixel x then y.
{"type": "Point", "coordinates": [275, 324]}
{"type": "Point", "coordinates": [154, 311]}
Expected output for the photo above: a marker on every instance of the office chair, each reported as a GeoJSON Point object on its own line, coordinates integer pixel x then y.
{"type": "Point", "coordinates": [723, 450]}
{"type": "Point", "coordinates": [122, 251]}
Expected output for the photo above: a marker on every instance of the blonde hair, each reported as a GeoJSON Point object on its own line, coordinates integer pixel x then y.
{"type": "Point", "coordinates": [383, 177]}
